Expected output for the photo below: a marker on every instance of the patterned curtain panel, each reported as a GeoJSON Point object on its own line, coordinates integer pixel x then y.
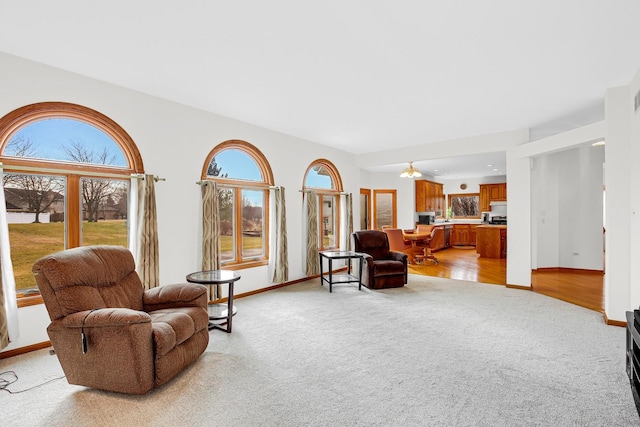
{"type": "Point", "coordinates": [349, 222]}
{"type": "Point", "coordinates": [313, 265]}
{"type": "Point", "coordinates": [147, 264]}
{"type": "Point", "coordinates": [210, 232]}
{"type": "Point", "coordinates": [8, 301]}
{"type": "Point", "coordinates": [281, 271]}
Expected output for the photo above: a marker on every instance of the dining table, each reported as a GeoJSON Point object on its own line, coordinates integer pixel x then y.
{"type": "Point", "coordinates": [415, 239]}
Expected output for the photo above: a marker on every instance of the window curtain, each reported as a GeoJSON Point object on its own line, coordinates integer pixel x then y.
{"type": "Point", "coordinates": [9, 329]}
{"type": "Point", "coordinates": [147, 263]}
{"type": "Point", "coordinates": [280, 256]}
{"type": "Point", "coordinates": [313, 266]}
{"type": "Point", "coordinates": [210, 232]}
{"type": "Point", "coordinates": [349, 220]}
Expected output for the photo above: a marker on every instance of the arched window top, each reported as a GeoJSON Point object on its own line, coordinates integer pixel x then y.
{"type": "Point", "coordinates": [322, 174]}
{"type": "Point", "coordinates": [237, 160]}
{"type": "Point", "coordinates": [65, 140]}
{"type": "Point", "coordinates": [58, 133]}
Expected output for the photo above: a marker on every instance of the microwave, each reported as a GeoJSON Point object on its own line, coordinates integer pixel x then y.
{"type": "Point", "coordinates": [426, 218]}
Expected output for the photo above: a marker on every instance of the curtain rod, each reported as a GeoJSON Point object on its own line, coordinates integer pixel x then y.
{"type": "Point", "coordinates": [205, 182]}
{"type": "Point", "coordinates": [342, 193]}
{"type": "Point", "coordinates": [141, 176]}
{"type": "Point", "coordinates": [23, 168]}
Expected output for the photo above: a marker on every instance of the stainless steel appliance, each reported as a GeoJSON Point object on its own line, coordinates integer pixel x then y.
{"type": "Point", "coordinates": [498, 219]}
{"type": "Point", "coordinates": [498, 214]}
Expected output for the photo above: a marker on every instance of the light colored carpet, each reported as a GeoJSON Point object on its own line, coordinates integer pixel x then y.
{"type": "Point", "coordinates": [437, 352]}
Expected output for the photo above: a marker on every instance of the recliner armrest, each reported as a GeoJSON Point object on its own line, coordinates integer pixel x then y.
{"type": "Point", "coordinates": [176, 295]}
{"type": "Point", "coordinates": [367, 258]}
{"type": "Point", "coordinates": [397, 256]}
{"type": "Point", "coordinates": [104, 317]}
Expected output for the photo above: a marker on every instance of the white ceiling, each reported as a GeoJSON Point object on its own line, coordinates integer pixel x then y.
{"type": "Point", "coordinates": [359, 75]}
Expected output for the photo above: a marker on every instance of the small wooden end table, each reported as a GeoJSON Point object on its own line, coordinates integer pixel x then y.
{"type": "Point", "coordinates": [218, 311]}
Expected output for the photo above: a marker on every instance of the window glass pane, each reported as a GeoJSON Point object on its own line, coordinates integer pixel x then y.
{"type": "Point", "coordinates": [252, 221]}
{"type": "Point", "coordinates": [104, 211]}
{"type": "Point", "coordinates": [234, 164]}
{"type": "Point", "coordinates": [35, 213]}
{"type": "Point", "coordinates": [318, 177]}
{"type": "Point", "coordinates": [65, 140]}
{"type": "Point", "coordinates": [464, 206]}
{"type": "Point", "coordinates": [328, 227]}
{"type": "Point", "coordinates": [227, 224]}
{"type": "Point", "coordinates": [384, 209]}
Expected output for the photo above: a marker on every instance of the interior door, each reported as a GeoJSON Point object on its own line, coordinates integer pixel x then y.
{"type": "Point", "coordinates": [365, 209]}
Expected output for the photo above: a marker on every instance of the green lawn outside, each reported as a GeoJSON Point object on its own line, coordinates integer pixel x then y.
{"type": "Point", "coordinates": [29, 242]}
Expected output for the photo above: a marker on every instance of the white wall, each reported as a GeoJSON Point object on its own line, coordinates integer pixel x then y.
{"type": "Point", "coordinates": [174, 141]}
{"type": "Point", "coordinates": [567, 208]}
{"type": "Point", "coordinates": [405, 194]}
{"type": "Point", "coordinates": [545, 206]}
{"type": "Point", "coordinates": [621, 184]}
{"type": "Point", "coordinates": [634, 229]}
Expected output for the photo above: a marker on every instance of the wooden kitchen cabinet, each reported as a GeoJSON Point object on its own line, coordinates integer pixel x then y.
{"type": "Point", "coordinates": [460, 235]}
{"type": "Point", "coordinates": [429, 196]}
{"type": "Point", "coordinates": [492, 241]}
{"type": "Point", "coordinates": [492, 193]}
{"type": "Point", "coordinates": [421, 202]}
{"type": "Point", "coordinates": [472, 234]}
{"type": "Point", "coordinates": [463, 235]}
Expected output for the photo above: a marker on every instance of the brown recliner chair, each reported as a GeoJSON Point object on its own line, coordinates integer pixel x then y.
{"type": "Point", "coordinates": [110, 333]}
{"type": "Point", "coordinates": [383, 268]}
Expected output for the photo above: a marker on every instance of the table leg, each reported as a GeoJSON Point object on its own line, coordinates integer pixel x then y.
{"type": "Point", "coordinates": [330, 274]}
{"type": "Point", "coordinates": [360, 274]}
{"type": "Point", "coordinates": [230, 308]}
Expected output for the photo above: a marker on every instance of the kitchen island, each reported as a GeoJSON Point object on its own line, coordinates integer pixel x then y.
{"type": "Point", "coordinates": [491, 241]}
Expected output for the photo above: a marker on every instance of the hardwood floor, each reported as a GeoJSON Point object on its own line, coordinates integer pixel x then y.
{"type": "Point", "coordinates": [580, 287]}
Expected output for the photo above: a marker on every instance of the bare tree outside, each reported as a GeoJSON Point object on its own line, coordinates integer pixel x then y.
{"type": "Point", "coordinates": [464, 206]}
{"type": "Point", "coordinates": [39, 192]}
{"type": "Point", "coordinates": [95, 192]}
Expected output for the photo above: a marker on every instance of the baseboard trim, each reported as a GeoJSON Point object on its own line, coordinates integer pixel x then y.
{"type": "Point", "coordinates": [270, 288]}
{"type": "Point", "coordinates": [583, 270]}
{"type": "Point", "coordinates": [611, 322]}
{"type": "Point", "coordinates": [521, 287]}
{"type": "Point", "coordinates": [23, 350]}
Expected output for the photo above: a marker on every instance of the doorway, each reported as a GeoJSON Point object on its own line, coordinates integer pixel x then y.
{"type": "Point", "coordinates": [365, 209]}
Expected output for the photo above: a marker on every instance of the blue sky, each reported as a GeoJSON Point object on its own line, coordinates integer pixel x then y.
{"type": "Point", "coordinates": [238, 164]}
{"type": "Point", "coordinates": [50, 136]}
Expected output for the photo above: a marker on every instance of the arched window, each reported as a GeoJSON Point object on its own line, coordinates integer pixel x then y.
{"type": "Point", "coordinates": [323, 177]}
{"type": "Point", "coordinates": [66, 179]}
{"type": "Point", "coordinates": [243, 176]}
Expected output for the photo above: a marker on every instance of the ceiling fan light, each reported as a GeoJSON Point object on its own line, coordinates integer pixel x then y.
{"type": "Point", "coordinates": [410, 172]}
